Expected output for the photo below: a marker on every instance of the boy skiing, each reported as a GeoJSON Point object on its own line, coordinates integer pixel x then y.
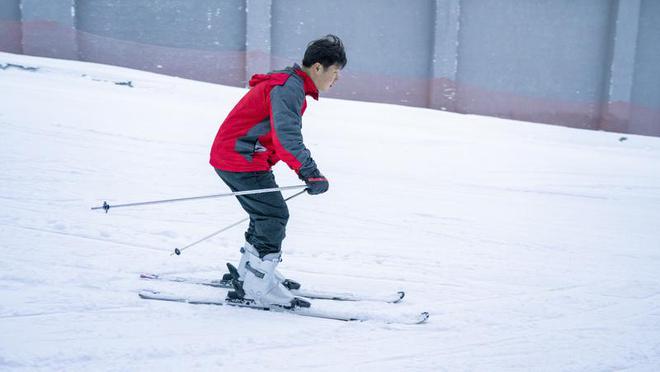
{"type": "Point", "coordinates": [263, 128]}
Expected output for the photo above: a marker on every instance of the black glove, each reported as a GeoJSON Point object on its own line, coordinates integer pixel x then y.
{"type": "Point", "coordinates": [316, 183]}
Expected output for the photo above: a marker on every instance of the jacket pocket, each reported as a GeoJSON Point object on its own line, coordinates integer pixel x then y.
{"type": "Point", "coordinates": [247, 146]}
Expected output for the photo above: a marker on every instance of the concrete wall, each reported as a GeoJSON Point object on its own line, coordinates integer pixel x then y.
{"type": "Point", "coordinates": [645, 115]}
{"type": "Point", "coordinates": [10, 26]}
{"type": "Point", "coordinates": [588, 64]}
{"type": "Point", "coordinates": [201, 39]}
{"type": "Point", "coordinates": [48, 28]}
{"type": "Point", "coordinates": [533, 57]}
{"type": "Point", "coordinates": [388, 41]}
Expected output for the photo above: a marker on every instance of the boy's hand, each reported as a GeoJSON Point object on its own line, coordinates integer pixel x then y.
{"type": "Point", "coordinates": [316, 183]}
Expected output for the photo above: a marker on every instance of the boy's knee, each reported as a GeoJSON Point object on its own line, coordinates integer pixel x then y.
{"type": "Point", "coordinates": [285, 215]}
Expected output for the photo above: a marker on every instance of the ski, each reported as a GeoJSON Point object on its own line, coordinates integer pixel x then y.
{"type": "Point", "coordinates": [313, 294]}
{"type": "Point", "coordinates": [315, 311]}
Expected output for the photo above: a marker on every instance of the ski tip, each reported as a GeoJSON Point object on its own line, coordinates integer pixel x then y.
{"type": "Point", "coordinates": [147, 293]}
{"type": "Point", "coordinates": [401, 294]}
{"type": "Point", "coordinates": [423, 317]}
{"type": "Point", "coordinates": [148, 276]}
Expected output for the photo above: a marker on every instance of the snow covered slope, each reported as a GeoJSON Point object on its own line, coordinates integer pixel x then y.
{"type": "Point", "coordinates": [533, 247]}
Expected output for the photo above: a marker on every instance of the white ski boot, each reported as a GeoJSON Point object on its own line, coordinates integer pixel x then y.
{"type": "Point", "coordinates": [249, 250]}
{"type": "Point", "coordinates": [260, 283]}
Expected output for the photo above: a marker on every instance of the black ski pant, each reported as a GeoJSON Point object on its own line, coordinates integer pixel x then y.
{"type": "Point", "coordinates": [268, 211]}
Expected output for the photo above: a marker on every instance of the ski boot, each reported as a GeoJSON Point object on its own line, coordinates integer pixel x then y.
{"type": "Point", "coordinates": [260, 285]}
{"type": "Point", "coordinates": [247, 250]}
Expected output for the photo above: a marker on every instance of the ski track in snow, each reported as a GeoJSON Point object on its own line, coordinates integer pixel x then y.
{"type": "Point", "coordinates": [533, 247]}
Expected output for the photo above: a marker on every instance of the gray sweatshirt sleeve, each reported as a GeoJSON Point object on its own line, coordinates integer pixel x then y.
{"type": "Point", "coordinates": [286, 103]}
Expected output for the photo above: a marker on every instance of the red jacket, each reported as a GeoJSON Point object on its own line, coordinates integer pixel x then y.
{"type": "Point", "coordinates": [265, 126]}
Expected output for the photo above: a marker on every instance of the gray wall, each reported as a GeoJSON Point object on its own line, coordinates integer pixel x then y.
{"type": "Point", "coordinates": [10, 27]}
{"type": "Point", "coordinates": [531, 56]}
{"type": "Point", "coordinates": [389, 44]}
{"type": "Point", "coordinates": [588, 64]}
{"type": "Point", "coordinates": [201, 39]}
{"type": "Point", "coordinates": [646, 70]}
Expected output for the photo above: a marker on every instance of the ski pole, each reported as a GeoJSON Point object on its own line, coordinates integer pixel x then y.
{"type": "Point", "coordinates": [178, 251]}
{"type": "Point", "coordinates": [107, 206]}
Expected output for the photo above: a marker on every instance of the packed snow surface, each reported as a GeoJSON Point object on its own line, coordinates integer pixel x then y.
{"type": "Point", "coordinates": [533, 247]}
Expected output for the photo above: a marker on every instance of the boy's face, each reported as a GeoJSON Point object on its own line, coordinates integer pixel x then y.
{"type": "Point", "coordinates": [324, 78]}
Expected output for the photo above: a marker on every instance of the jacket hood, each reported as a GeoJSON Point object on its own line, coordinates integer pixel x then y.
{"type": "Point", "coordinates": [280, 77]}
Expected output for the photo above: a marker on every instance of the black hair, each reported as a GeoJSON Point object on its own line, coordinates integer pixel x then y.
{"type": "Point", "coordinates": [328, 51]}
